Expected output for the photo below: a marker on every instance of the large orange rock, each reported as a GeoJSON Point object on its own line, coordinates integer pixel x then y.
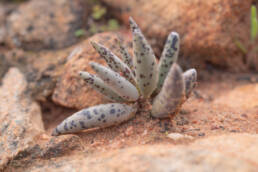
{"type": "Point", "coordinates": [20, 117]}
{"type": "Point", "coordinates": [5, 10]}
{"type": "Point", "coordinates": [209, 29]}
{"type": "Point", "coordinates": [71, 91]}
{"type": "Point", "coordinates": [41, 69]}
{"type": "Point", "coordinates": [243, 97]}
{"type": "Point", "coordinates": [45, 24]}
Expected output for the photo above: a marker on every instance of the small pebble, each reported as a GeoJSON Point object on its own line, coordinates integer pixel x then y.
{"type": "Point", "coordinates": [234, 131]}
{"type": "Point", "coordinates": [129, 131]}
{"type": "Point", "coordinates": [244, 115]}
{"type": "Point", "coordinates": [201, 134]}
{"type": "Point", "coordinates": [178, 136]}
{"type": "Point", "coordinates": [214, 127]}
{"type": "Point", "coordinates": [145, 132]}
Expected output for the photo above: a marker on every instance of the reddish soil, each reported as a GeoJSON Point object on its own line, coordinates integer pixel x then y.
{"type": "Point", "coordinates": [213, 109]}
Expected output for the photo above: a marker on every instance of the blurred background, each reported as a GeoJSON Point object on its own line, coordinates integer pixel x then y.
{"type": "Point", "coordinates": [44, 43]}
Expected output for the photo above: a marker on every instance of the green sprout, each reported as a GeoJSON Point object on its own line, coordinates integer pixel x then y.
{"type": "Point", "coordinates": [241, 47]}
{"type": "Point", "coordinates": [254, 23]}
{"type": "Point", "coordinates": [80, 33]}
{"type": "Point", "coordinates": [113, 24]}
{"type": "Point", "coordinates": [250, 50]}
{"type": "Point", "coordinates": [98, 12]}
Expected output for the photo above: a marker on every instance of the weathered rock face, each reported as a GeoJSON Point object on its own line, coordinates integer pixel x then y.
{"type": "Point", "coordinates": [209, 29]}
{"type": "Point", "coordinates": [45, 24]}
{"type": "Point", "coordinates": [20, 117]}
{"type": "Point", "coordinates": [41, 69]}
{"type": "Point", "coordinates": [4, 65]}
{"type": "Point", "coordinates": [22, 132]}
{"type": "Point", "coordinates": [46, 148]}
{"type": "Point", "coordinates": [244, 97]}
{"type": "Point", "coordinates": [235, 152]}
{"type": "Point", "coordinates": [2, 22]}
{"type": "Point", "coordinates": [242, 146]}
{"type": "Point", "coordinates": [5, 9]}
{"type": "Point", "coordinates": [71, 91]}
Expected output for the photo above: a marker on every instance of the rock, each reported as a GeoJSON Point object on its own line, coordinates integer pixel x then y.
{"type": "Point", "coordinates": [22, 132]}
{"type": "Point", "coordinates": [2, 23]}
{"type": "Point", "coordinates": [2, 14]}
{"type": "Point", "coordinates": [47, 148]}
{"type": "Point", "coordinates": [71, 91]}
{"type": "Point", "coordinates": [241, 146]}
{"type": "Point", "coordinates": [5, 10]}
{"type": "Point", "coordinates": [4, 65]}
{"type": "Point", "coordinates": [232, 153]}
{"type": "Point", "coordinates": [178, 136]}
{"type": "Point", "coordinates": [20, 117]}
{"type": "Point", "coordinates": [45, 24]}
{"type": "Point", "coordinates": [60, 146]}
{"type": "Point", "coordinates": [244, 97]}
{"type": "Point", "coordinates": [207, 36]}
{"type": "Point", "coordinates": [41, 69]}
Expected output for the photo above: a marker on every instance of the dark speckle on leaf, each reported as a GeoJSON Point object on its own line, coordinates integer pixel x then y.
{"type": "Point", "coordinates": [86, 113]}
{"type": "Point", "coordinates": [112, 111]}
{"type": "Point", "coordinates": [82, 125]}
{"type": "Point", "coordinates": [174, 41]}
{"type": "Point", "coordinates": [65, 127]}
{"type": "Point", "coordinates": [95, 111]}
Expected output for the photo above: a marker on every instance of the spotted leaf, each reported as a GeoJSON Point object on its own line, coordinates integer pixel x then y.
{"type": "Point", "coordinates": [113, 61]}
{"type": "Point", "coordinates": [190, 78]}
{"type": "Point", "coordinates": [100, 86]}
{"type": "Point", "coordinates": [126, 57]}
{"type": "Point", "coordinates": [116, 82]}
{"type": "Point", "coordinates": [172, 94]}
{"type": "Point", "coordinates": [168, 57]}
{"type": "Point", "coordinates": [144, 62]}
{"type": "Point", "coordinates": [103, 115]}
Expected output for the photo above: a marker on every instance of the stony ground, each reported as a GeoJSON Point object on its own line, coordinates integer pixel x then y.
{"type": "Point", "coordinates": [216, 129]}
{"type": "Point", "coordinates": [223, 105]}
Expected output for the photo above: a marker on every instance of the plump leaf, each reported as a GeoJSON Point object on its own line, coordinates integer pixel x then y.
{"type": "Point", "coordinates": [168, 57]}
{"type": "Point", "coordinates": [172, 94]}
{"type": "Point", "coordinates": [113, 61]}
{"type": "Point", "coordinates": [103, 115]}
{"type": "Point", "coordinates": [144, 62]}
{"type": "Point", "coordinates": [126, 57]}
{"type": "Point", "coordinates": [190, 78]}
{"type": "Point", "coordinates": [116, 82]}
{"type": "Point", "coordinates": [100, 86]}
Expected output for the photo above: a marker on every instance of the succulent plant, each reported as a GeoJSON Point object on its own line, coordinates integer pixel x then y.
{"type": "Point", "coordinates": [129, 81]}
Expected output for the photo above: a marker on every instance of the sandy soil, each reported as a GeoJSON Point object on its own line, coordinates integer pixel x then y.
{"type": "Point", "coordinates": [213, 109]}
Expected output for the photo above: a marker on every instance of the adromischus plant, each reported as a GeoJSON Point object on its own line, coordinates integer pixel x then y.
{"type": "Point", "coordinates": [142, 79]}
